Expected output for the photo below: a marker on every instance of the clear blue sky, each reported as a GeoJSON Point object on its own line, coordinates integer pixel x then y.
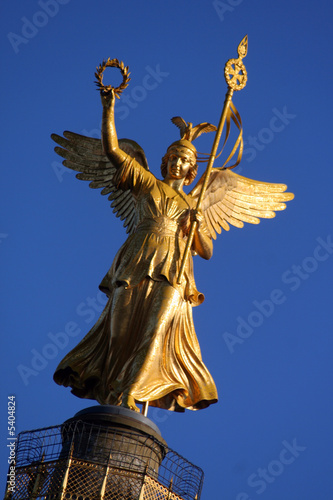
{"type": "Point", "coordinates": [270, 435]}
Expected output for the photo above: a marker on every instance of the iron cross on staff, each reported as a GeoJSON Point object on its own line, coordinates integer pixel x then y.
{"type": "Point", "coordinates": [236, 77]}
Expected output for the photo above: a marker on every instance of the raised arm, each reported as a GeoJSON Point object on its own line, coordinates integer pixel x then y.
{"type": "Point", "coordinates": [109, 134]}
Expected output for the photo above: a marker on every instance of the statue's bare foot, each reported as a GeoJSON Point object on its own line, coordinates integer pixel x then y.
{"type": "Point", "coordinates": [129, 402]}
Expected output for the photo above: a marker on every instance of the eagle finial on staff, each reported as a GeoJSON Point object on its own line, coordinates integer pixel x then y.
{"type": "Point", "coordinates": [188, 132]}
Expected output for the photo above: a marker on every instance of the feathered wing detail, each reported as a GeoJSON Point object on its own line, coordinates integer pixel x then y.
{"type": "Point", "coordinates": [202, 128]}
{"type": "Point", "coordinates": [86, 156]}
{"type": "Point", "coordinates": [233, 199]}
{"type": "Point", "coordinates": [181, 124]}
{"type": "Point", "coordinates": [188, 132]}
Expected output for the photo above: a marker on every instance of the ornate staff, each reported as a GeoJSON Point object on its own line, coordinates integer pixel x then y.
{"type": "Point", "coordinates": [236, 77]}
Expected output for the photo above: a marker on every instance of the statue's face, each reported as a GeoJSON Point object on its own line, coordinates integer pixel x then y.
{"type": "Point", "coordinates": [179, 163]}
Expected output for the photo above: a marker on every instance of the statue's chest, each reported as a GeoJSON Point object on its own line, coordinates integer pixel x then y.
{"type": "Point", "coordinates": [163, 202]}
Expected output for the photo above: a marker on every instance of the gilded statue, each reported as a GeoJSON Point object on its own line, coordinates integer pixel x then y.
{"type": "Point", "coordinates": [143, 348]}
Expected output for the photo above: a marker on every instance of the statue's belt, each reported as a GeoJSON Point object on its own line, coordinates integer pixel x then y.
{"type": "Point", "coordinates": [162, 226]}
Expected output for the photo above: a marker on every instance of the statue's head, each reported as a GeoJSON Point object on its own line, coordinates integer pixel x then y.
{"type": "Point", "coordinates": [183, 149]}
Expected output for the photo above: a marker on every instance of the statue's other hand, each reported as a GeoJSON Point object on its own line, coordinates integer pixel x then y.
{"type": "Point", "coordinates": [197, 215]}
{"type": "Point", "coordinates": [189, 217]}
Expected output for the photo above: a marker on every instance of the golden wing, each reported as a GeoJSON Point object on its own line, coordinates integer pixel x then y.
{"type": "Point", "coordinates": [86, 156]}
{"type": "Point", "coordinates": [233, 199]}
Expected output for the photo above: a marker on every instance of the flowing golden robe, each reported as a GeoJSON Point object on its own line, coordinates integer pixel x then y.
{"type": "Point", "coordinates": [144, 343]}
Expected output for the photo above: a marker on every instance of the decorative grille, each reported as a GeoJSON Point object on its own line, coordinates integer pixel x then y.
{"type": "Point", "coordinates": [84, 461]}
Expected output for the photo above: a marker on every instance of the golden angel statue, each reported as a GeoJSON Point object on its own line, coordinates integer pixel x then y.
{"type": "Point", "coordinates": [143, 348]}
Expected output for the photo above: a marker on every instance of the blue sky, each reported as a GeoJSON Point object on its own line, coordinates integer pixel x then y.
{"type": "Point", "coordinates": [267, 287]}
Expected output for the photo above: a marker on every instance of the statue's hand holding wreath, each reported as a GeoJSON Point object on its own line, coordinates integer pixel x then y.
{"type": "Point", "coordinates": [108, 98]}
{"type": "Point", "coordinates": [109, 93]}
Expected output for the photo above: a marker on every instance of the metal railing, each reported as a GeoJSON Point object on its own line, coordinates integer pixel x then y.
{"type": "Point", "coordinates": [83, 461]}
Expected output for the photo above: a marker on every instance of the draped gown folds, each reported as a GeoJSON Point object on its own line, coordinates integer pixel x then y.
{"type": "Point", "coordinates": [144, 343]}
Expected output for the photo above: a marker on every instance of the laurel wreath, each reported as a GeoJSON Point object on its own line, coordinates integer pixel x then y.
{"type": "Point", "coordinates": [114, 63]}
